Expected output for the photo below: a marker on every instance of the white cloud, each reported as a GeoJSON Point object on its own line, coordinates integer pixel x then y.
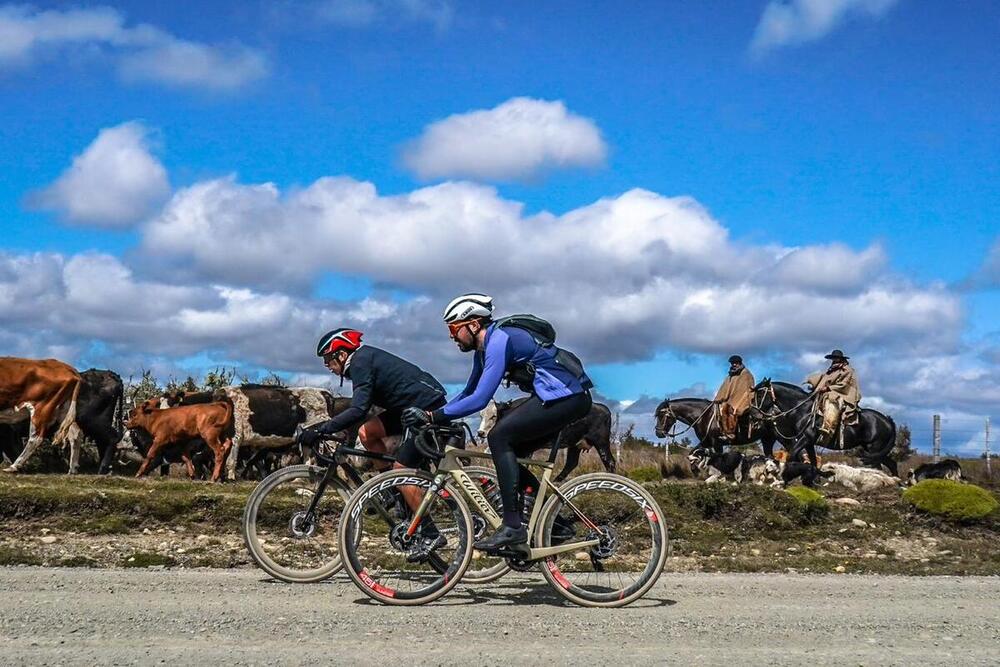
{"type": "Point", "coordinates": [363, 13]}
{"type": "Point", "coordinates": [789, 22]}
{"type": "Point", "coordinates": [115, 182]}
{"type": "Point", "coordinates": [648, 272]}
{"type": "Point", "coordinates": [142, 52]}
{"type": "Point", "coordinates": [518, 139]}
{"type": "Point", "coordinates": [51, 301]}
{"type": "Point", "coordinates": [651, 270]}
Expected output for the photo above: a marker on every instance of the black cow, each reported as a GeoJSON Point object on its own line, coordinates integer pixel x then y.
{"type": "Point", "coordinates": [947, 469]}
{"type": "Point", "coordinates": [99, 414]}
{"type": "Point", "coordinates": [594, 430]}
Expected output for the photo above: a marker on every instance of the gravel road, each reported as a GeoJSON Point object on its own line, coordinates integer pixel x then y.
{"type": "Point", "coordinates": [237, 617]}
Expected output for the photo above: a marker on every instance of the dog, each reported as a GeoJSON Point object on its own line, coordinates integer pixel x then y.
{"type": "Point", "coordinates": [789, 471]}
{"type": "Point", "coordinates": [759, 470]}
{"type": "Point", "coordinates": [718, 466]}
{"type": "Point", "coordinates": [859, 479]}
{"type": "Point", "coordinates": [947, 469]}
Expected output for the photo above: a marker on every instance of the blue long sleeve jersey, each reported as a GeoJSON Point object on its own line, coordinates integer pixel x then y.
{"type": "Point", "coordinates": [506, 348]}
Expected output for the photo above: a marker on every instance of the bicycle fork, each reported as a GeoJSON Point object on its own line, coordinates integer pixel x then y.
{"type": "Point", "coordinates": [425, 503]}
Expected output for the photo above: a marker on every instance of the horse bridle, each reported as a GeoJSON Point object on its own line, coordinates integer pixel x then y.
{"type": "Point", "coordinates": [670, 413]}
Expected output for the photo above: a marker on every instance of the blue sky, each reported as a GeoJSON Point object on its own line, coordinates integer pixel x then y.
{"type": "Point", "coordinates": [877, 129]}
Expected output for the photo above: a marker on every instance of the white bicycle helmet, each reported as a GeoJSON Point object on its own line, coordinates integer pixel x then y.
{"type": "Point", "coordinates": [467, 307]}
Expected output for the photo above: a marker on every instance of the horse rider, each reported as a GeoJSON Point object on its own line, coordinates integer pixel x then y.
{"type": "Point", "coordinates": [733, 397]}
{"type": "Point", "coordinates": [838, 394]}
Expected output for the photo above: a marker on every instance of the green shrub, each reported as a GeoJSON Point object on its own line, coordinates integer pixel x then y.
{"type": "Point", "coordinates": [645, 474]}
{"type": "Point", "coordinates": [952, 500]}
{"type": "Point", "coordinates": [812, 505]}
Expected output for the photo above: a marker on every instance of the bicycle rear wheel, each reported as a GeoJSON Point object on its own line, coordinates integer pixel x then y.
{"type": "Point", "coordinates": [633, 540]}
{"type": "Point", "coordinates": [281, 538]}
{"type": "Point", "coordinates": [375, 548]}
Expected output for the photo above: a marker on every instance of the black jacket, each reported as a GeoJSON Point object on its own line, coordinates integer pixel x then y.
{"type": "Point", "coordinates": [383, 379]}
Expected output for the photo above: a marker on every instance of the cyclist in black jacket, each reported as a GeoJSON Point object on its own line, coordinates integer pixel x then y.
{"type": "Point", "coordinates": [383, 379]}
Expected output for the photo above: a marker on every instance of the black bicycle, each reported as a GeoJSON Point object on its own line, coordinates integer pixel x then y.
{"type": "Point", "coordinates": [290, 520]}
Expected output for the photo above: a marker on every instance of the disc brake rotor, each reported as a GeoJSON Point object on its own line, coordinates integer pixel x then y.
{"type": "Point", "coordinates": [608, 542]}
{"type": "Point", "coordinates": [301, 526]}
{"type": "Point", "coordinates": [398, 537]}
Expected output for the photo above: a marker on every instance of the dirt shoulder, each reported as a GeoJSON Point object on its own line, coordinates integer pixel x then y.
{"type": "Point", "coordinates": [94, 521]}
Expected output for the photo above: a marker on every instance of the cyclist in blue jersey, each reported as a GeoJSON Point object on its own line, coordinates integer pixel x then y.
{"type": "Point", "coordinates": [559, 396]}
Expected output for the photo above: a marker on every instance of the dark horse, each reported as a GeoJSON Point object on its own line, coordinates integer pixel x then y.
{"type": "Point", "coordinates": [789, 411]}
{"type": "Point", "coordinates": [703, 418]}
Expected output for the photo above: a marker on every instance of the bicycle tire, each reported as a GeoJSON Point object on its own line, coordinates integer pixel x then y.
{"type": "Point", "coordinates": [351, 536]}
{"type": "Point", "coordinates": [654, 518]}
{"type": "Point", "coordinates": [255, 546]}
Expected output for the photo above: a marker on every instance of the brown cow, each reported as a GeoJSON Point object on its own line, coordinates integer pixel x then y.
{"type": "Point", "coordinates": [47, 389]}
{"type": "Point", "coordinates": [211, 422]}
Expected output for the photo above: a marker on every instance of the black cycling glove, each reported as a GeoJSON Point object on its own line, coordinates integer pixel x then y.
{"type": "Point", "coordinates": [415, 417]}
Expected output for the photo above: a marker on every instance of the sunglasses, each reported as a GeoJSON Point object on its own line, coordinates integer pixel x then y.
{"type": "Point", "coordinates": [327, 358]}
{"type": "Point", "coordinates": [455, 327]}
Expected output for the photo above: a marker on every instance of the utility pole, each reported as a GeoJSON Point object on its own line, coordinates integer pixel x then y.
{"type": "Point", "coordinates": [989, 469]}
{"type": "Point", "coordinates": [937, 438]}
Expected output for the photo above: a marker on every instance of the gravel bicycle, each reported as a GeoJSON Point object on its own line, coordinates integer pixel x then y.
{"type": "Point", "coordinates": [289, 524]}
{"type": "Point", "coordinates": [600, 539]}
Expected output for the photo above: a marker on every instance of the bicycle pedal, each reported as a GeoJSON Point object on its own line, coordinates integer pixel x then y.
{"type": "Point", "coordinates": [516, 551]}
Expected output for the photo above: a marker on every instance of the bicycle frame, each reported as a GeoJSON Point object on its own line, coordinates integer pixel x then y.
{"type": "Point", "coordinates": [450, 466]}
{"type": "Point", "coordinates": [336, 462]}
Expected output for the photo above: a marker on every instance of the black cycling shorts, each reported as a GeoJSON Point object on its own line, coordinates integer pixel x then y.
{"type": "Point", "coordinates": [407, 453]}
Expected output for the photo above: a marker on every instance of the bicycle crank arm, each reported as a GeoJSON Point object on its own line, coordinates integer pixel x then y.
{"type": "Point", "coordinates": [530, 555]}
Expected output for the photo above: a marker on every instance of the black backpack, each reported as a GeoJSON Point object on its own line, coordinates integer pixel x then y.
{"type": "Point", "coordinates": [545, 335]}
{"type": "Point", "coordinates": [543, 332]}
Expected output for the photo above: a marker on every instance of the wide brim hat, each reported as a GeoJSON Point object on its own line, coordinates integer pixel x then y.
{"type": "Point", "coordinates": [736, 359]}
{"type": "Point", "coordinates": [836, 354]}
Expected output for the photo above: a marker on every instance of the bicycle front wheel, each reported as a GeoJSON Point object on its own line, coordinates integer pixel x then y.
{"type": "Point", "coordinates": [282, 537]}
{"type": "Point", "coordinates": [378, 554]}
{"type": "Point", "coordinates": [632, 540]}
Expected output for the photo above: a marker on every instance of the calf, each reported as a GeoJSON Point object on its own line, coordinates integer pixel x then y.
{"type": "Point", "coordinates": [211, 422]}
{"type": "Point", "coordinates": [47, 390]}
{"type": "Point", "coordinates": [727, 465]}
{"type": "Point", "coordinates": [195, 451]}
{"type": "Point", "coordinates": [591, 430]}
{"type": "Point", "coordinates": [859, 479]}
{"type": "Point", "coordinates": [789, 471]}
{"type": "Point", "coordinates": [947, 469]}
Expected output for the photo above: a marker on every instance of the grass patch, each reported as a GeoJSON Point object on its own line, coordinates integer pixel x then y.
{"type": "Point", "coordinates": [145, 559]}
{"type": "Point", "coordinates": [17, 556]}
{"type": "Point", "coordinates": [951, 500]}
{"type": "Point", "coordinates": [78, 561]}
{"type": "Point", "coordinates": [115, 505]}
{"type": "Point", "coordinates": [645, 474]}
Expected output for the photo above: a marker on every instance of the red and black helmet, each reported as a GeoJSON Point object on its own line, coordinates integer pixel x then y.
{"type": "Point", "coordinates": [339, 339]}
